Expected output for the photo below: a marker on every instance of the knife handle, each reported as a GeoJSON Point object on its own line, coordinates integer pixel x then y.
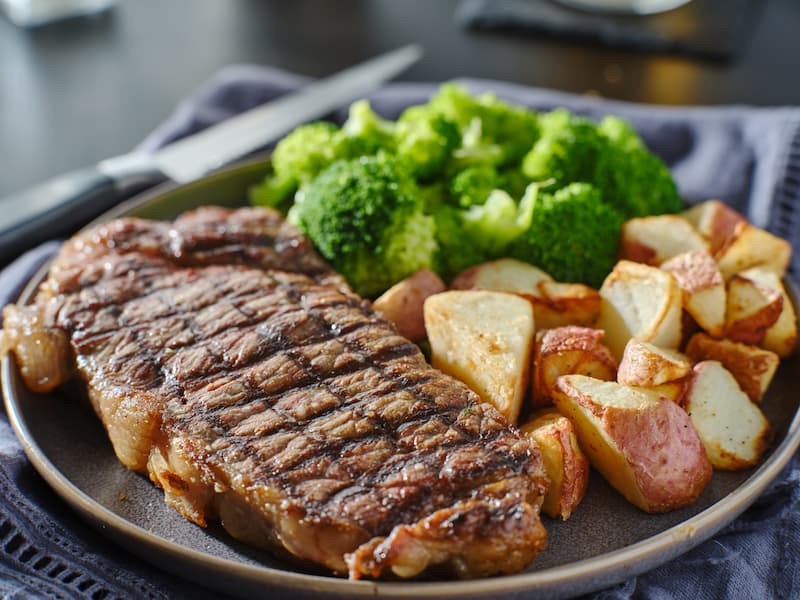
{"type": "Point", "coordinates": [59, 207]}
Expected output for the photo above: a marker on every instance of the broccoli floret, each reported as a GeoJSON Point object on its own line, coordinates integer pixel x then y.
{"type": "Point", "coordinates": [365, 132]}
{"type": "Point", "coordinates": [474, 184]}
{"type": "Point", "coordinates": [456, 251]}
{"type": "Point", "coordinates": [297, 159]}
{"type": "Point", "coordinates": [306, 151]}
{"type": "Point", "coordinates": [492, 129]}
{"type": "Point", "coordinates": [454, 102]}
{"type": "Point", "coordinates": [475, 148]}
{"type": "Point", "coordinates": [434, 195]}
{"type": "Point", "coordinates": [633, 179]}
{"type": "Point", "coordinates": [611, 156]}
{"type": "Point", "coordinates": [620, 133]}
{"type": "Point", "coordinates": [481, 232]}
{"type": "Point", "coordinates": [513, 181]}
{"type": "Point", "coordinates": [637, 183]}
{"type": "Point", "coordinates": [366, 217]}
{"type": "Point", "coordinates": [496, 223]}
{"type": "Point", "coordinates": [573, 235]}
{"type": "Point", "coordinates": [513, 128]}
{"type": "Point", "coordinates": [566, 151]}
{"type": "Point", "coordinates": [426, 140]}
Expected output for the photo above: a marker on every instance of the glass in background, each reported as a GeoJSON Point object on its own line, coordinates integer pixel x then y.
{"type": "Point", "coordinates": [635, 7]}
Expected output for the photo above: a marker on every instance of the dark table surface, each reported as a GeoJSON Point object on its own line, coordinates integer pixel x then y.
{"type": "Point", "coordinates": [74, 92]}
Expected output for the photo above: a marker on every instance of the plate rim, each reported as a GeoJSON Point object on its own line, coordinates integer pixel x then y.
{"type": "Point", "coordinates": [572, 578]}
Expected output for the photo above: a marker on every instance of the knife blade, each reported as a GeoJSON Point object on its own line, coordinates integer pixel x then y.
{"type": "Point", "coordinates": [59, 206]}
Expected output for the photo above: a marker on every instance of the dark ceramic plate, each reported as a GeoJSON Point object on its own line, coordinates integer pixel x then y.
{"type": "Point", "coordinates": [607, 540]}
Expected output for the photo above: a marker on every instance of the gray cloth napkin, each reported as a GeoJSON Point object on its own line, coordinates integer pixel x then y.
{"type": "Point", "coordinates": [746, 156]}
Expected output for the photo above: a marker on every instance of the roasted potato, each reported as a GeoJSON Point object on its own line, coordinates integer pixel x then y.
{"type": "Point", "coordinates": [646, 365]}
{"type": "Point", "coordinates": [567, 350]}
{"type": "Point", "coordinates": [674, 391]}
{"type": "Point", "coordinates": [702, 286]}
{"type": "Point", "coordinates": [642, 302]}
{"type": "Point", "coordinates": [559, 304]}
{"type": "Point", "coordinates": [503, 275]}
{"type": "Point", "coordinates": [715, 221]}
{"type": "Point", "coordinates": [781, 337]}
{"type": "Point", "coordinates": [485, 339]}
{"type": "Point", "coordinates": [753, 247]}
{"type": "Point", "coordinates": [733, 429]}
{"type": "Point", "coordinates": [644, 445]}
{"type": "Point", "coordinates": [554, 303]}
{"type": "Point", "coordinates": [652, 240]}
{"type": "Point", "coordinates": [752, 308]}
{"type": "Point", "coordinates": [751, 366]}
{"type": "Point", "coordinates": [402, 303]}
{"type": "Point", "coordinates": [565, 463]}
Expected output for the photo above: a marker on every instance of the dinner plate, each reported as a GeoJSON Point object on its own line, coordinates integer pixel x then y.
{"type": "Point", "coordinates": [605, 541]}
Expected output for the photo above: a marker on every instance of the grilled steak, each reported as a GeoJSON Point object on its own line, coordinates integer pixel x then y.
{"type": "Point", "coordinates": [229, 363]}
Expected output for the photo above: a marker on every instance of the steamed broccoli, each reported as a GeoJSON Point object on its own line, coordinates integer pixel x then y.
{"type": "Point", "coordinates": [620, 133]}
{"type": "Point", "coordinates": [481, 232]}
{"type": "Point", "coordinates": [463, 179]}
{"type": "Point", "coordinates": [572, 235]}
{"type": "Point", "coordinates": [456, 251]}
{"type": "Point", "coordinates": [611, 156]}
{"type": "Point", "coordinates": [495, 224]}
{"type": "Point", "coordinates": [426, 140]}
{"type": "Point", "coordinates": [365, 132]}
{"type": "Point", "coordinates": [366, 217]}
{"type": "Point", "coordinates": [297, 159]}
{"type": "Point", "coordinates": [474, 184]}
{"type": "Point", "coordinates": [636, 182]}
{"type": "Point", "coordinates": [493, 131]}
{"type": "Point", "coordinates": [566, 151]}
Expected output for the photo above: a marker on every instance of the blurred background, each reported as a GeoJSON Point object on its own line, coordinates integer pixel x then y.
{"type": "Point", "coordinates": [76, 91]}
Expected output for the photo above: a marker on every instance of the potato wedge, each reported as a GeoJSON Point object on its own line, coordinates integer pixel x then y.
{"type": "Point", "coordinates": [673, 391]}
{"type": "Point", "coordinates": [503, 275]}
{"type": "Point", "coordinates": [652, 240]}
{"type": "Point", "coordinates": [554, 303]}
{"type": "Point", "coordinates": [752, 308]}
{"type": "Point", "coordinates": [753, 247]}
{"type": "Point", "coordinates": [751, 366]}
{"type": "Point", "coordinates": [640, 302]}
{"type": "Point", "coordinates": [485, 339]}
{"type": "Point", "coordinates": [565, 463]}
{"type": "Point", "coordinates": [644, 445]}
{"type": "Point", "coordinates": [646, 365]}
{"type": "Point", "coordinates": [781, 338]}
{"type": "Point", "coordinates": [733, 429]}
{"type": "Point", "coordinates": [715, 221]}
{"type": "Point", "coordinates": [702, 286]}
{"type": "Point", "coordinates": [567, 350]}
{"type": "Point", "coordinates": [402, 303]}
{"type": "Point", "coordinates": [559, 304]}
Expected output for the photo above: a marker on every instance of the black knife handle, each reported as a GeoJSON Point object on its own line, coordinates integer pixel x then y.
{"type": "Point", "coordinates": [57, 208]}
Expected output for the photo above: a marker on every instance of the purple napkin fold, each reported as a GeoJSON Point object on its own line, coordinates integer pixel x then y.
{"type": "Point", "coordinates": [748, 157]}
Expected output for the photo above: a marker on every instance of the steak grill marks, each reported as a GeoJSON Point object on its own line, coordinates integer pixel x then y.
{"type": "Point", "coordinates": [295, 382]}
{"type": "Point", "coordinates": [227, 360]}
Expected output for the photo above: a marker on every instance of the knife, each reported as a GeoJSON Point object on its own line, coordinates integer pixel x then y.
{"type": "Point", "coordinates": [61, 205]}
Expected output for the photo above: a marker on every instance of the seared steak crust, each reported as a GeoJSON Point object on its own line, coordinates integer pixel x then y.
{"type": "Point", "coordinates": [230, 363]}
